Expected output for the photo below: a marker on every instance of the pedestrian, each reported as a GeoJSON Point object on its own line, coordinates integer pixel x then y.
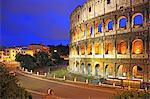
{"type": "Point", "coordinates": [50, 91]}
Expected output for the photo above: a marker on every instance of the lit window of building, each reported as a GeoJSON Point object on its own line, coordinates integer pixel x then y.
{"type": "Point", "coordinates": [137, 46]}
{"type": "Point", "coordinates": [97, 48]}
{"type": "Point", "coordinates": [83, 31]}
{"type": "Point", "coordinates": [137, 72]}
{"type": "Point", "coordinates": [83, 50]}
{"type": "Point", "coordinates": [89, 49]}
{"type": "Point", "coordinates": [122, 47]}
{"type": "Point", "coordinates": [88, 30]}
{"type": "Point", "coordinates": [108, 48]}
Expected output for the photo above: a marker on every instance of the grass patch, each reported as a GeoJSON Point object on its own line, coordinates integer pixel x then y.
{"type": "Point", "coordinates": [61, 72]}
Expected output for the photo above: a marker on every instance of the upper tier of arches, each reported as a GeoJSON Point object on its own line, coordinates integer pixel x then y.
{"type": "Point", "coordinates": [110, 25]}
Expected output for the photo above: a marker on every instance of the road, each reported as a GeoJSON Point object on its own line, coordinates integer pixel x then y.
{"type": "Point", "coordinates": [64, 90]}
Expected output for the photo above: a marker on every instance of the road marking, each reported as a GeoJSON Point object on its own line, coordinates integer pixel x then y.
{"type": "Point", "coordinates": [76, 86]}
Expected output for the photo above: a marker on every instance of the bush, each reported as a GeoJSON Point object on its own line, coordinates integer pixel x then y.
{"type": "Point", "coordinates": [9, 89]}
{"type": "Point", "coordinates": [102, 80]}
{"type": "Point", "coordinates": [132, 94]}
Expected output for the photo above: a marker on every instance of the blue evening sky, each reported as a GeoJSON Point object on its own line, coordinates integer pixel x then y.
{"type": "Point", "coordinates": [35, 21]}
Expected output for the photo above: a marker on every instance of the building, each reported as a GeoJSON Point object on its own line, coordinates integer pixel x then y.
{"type": "Point", "coordinates": [38, 48]}
{"type": "Point", "coordinates": [110, 39]}
{"type": "Point", "coordinates": [9, 54]}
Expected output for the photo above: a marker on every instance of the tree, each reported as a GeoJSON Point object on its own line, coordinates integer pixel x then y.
{"type": "Point", "coordinates": [19, 57]}
{"type": "Point", "coordinates": [27, 61]}
{"type": "Point", "coordinates": [41, 58]}
{"type": "Point", "coordinates": [56, 58]}
{"type": "Point", "coordinates": [49, 62]}
{"type": "Point", "coordinates": [55, 55]}
{"type": "Point", "coordinates": [9, 89]}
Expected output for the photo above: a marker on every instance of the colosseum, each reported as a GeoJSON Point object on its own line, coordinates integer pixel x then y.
{"type": "Point", "coordinates": [110, 39]}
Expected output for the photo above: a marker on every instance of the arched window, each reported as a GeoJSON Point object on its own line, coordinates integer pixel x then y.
{"type": "Point", "coordinates": [97, 48]}
{"type": "Point", "coordinates": [110, 25]}
{"type": "Point", "coordinates": [89, 69]}
{"type": "Point", "coordinates": [89, 49]}
{"type": "Point", "coordinates": [109, 70]}
{"type": "Point", "coordinates": [78, 33]}
{"type": "Point", "coordinates": [108, 48]}
{"type": "Point", "coordinates": [78, 50]}
{"type": "Point", "coordinates": [137, 46]}
{"type": "Point", "coordinates": [122, 47]}
{"type": "Point", "coordinates": [137, 72]}
{"type": "Point", "coordinates": [138, 19]}
{"type": "Point", "coordinates": [88, 30]}
{"type": "Point", "coordinates": [91, 30]}
{"type": "Point", "coordinates": [97, 69]}
{"type": "Point", "coordinates": [122, 22]}
{"type": "Point", "coordinates": [83, 31]}
{"type": "Point", "coordinates": [83, 50]}
{"type": "Point", "coordinates": [100, 28]}
{"type": "Point", "coordinates": [121, 71]}
{"type": "Point", "coordinates": [83, 68]}
{"type": "Point", "coordinates": [108, 1]}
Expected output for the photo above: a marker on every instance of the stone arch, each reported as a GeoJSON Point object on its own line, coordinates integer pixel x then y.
{"type": "Point", "coordinates": [122, 47]}
{"type": "Point", "coordinates": [89, 49]}
{"type": "Point", "coordinates": [83, 68]}
{"type": "Point", "coordinates": [97, 48]}
{"type": "Point", "coordinates": [97, 69]}
{"type": "Point", "coordinates": [83, 49]}
{"type": "Point", "coordinates": [77, 66]}
{"type": "Point", "coordinates": [79, 32]}
{"type": "Point", "coordinates": [100, 27]}
{"type": "Point", "coordinates": [109, 70]}
{"type": "Point", "coordinates": [108, 48]}
{"type": "Point", "coordinates": [74, 63]}
{"type": "Point", "coordinates": [121, 71]}
{"type": "Point", "coordinates": [122, 22]}
{"type": "Point", "coordinates": [83, 34]}
{"type": "Point", "coordinates": [137, 19]}
{"type": "Point", "coordinates": [109, 24]}
{"type": "Point", "coordinates": [89, 28]}
{"type": "Point", "coordinates": [137, 46]}
{"type": "Point", "coordinates": [89, 69]}
{"type": "Point", "coordinates": [137, 72]}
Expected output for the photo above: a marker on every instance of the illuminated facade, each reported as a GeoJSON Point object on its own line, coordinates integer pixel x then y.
{"type": "Point", "coordinates": [38, 48]}
{"type": "Point", "coordinates": [110, 39]}
{"type": "Point", "coordinates": [9, 54]}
